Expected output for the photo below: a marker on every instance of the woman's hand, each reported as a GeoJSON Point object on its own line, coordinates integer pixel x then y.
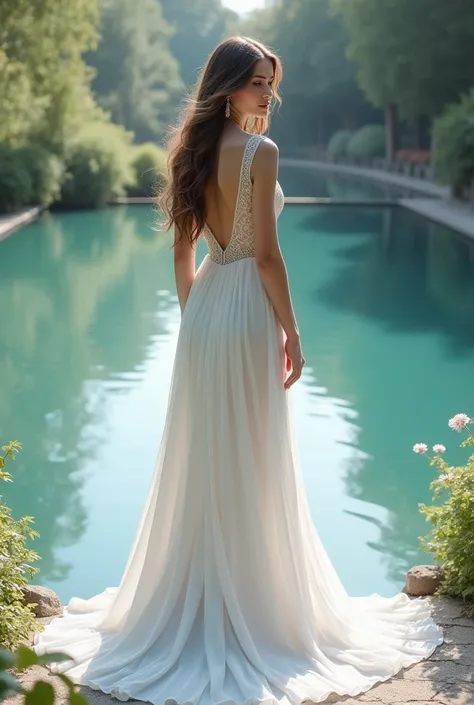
{"type": "Point", "coordinates": [294, 360]}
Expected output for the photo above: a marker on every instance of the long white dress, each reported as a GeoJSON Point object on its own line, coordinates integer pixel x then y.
{"type": "Point", "coordinates": [228, 595]}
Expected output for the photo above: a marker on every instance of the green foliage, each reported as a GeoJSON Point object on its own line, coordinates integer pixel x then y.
{"type": "Point", "coordinates": [29, 175]}
{"type": "Point", "coordinates": [310, 39]}
{"type": "Point", "coordinates": [42, 692]}
{"type": "Point", "coordinates": [197, 27]}
{"type": "Point", "coordinates": [321, 92]}
{"type": "Point", "coordinates": [149, 167]}
{"type": "Point", "coordinates": [41, 64]}
{"type": "Point", "coordinates": [418, 55]}
{"type": "Point", "coordinates": [137, 77]}
{"type": "Point", "coordinates": [16, 186]}
{"type": "Point", "coordinates": [97, 167]}
{"type": "Point", "coordinates": [454, 139]}
{"type": "Point", "coordinates": [17, 620]}
{"type": "Point", "coordinates": [45, 170]}
{"type": "Point", "coordinates": [451, 538]}
{"type": "Point", "coordinates": [339, 142]}
{"type": "Point", "coordinates": [368, 142]}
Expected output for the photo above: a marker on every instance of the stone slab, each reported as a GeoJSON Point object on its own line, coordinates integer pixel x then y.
{"type": "Point", "coordinates": [9, 223]}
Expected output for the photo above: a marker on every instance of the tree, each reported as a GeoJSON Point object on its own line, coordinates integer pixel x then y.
{"type": "Point", "coordinates": [137, 78]}
{"type": "Point", "coordinates": [320, 86]}
{"type": "Point", "coordinates": [199, 27]}
{"type": "Point", "coordinates": [41, 69]}
{"type": "Point", "coordinates": [417, 55]}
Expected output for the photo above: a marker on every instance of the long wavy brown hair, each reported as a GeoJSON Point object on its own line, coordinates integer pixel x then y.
{"type": "Point", "coordinates": [192, 143]}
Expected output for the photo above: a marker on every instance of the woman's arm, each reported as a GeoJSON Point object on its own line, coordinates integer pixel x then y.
{"type": "Point", "coordinates": [184, 267]}
{"type": "Point", "coordinates": [269, 258]}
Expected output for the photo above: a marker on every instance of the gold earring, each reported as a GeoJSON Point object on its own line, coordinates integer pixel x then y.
{"type": "Point", "coordinates": [227, 107]}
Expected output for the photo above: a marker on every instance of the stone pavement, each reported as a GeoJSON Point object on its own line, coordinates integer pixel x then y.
{"type": "Point", "coordinates": [446, 678]}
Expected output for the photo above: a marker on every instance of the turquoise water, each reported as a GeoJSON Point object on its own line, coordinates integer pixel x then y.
{"type": "Point", "coordinates": [308, 181]}
{"type": "Point", "coordinates": [385, 304]}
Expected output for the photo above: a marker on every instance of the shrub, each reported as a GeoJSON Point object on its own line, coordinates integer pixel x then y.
{"type": "Point", "coordinates": [17, 620]}
{"type": "Point", "coordinates": [337, 146]}
{"type": "Point", "coordinates": [367, 143]}
{"type": "Point", "coordinates": [453, 134]}
{"type": "Point", "coordinates": [451, 539]}
{"type": "Point", "coordinates": [90, 177]}
{"type": "Point", "coordinates": [42, 691]}
{"type": "Point", "coordinates": [29, 175]}
{"type": "Point", "coordinates": [45, 170]}
{"type": "Point", "coordinates": [16, 185]}
{"type": "Point", "coordinates": [149, 167]}
{"type": "Point", "coordinates": [97, 166]}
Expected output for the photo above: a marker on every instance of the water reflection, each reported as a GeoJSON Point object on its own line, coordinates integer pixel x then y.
{"type": "Point", "coordinates": [385, 303]}
{"type": "Point", "coordinates": [308, 181]}
{"type": "Point", "coordinates": [392, 333]}
{"type": "Point", "coordinates": [78, 298]}
{"type": "Point", "coordinates": [413, 276]}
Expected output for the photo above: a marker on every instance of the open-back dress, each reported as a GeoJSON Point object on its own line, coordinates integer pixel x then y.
{"type": "Point", "coordinates": [228, 596]}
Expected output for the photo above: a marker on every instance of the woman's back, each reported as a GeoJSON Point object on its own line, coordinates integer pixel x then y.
{"type": "Point", "coordinates": [229, 228]}
{"type": "Point", "coordinates": [222, 188]}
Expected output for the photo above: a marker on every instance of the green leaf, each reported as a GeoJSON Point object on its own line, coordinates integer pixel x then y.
{"type": "Point", "coordinates": [25, 658]}
{"type": "Point", "coordinates": [9, 684]}
{"type": "Point", "coordinates": [41, 694]}
{"type": "Point", "coordinates": [67, 681]}
{"type": "Point", "coordinates": [7, 659]}
{"type": "Point", "coordinates": [53, 658]}
{"type": "Point", "coordinates": [77, 699]}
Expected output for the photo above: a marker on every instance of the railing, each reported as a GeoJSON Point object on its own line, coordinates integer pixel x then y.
{"type": "Point", "coordinates": [419, 169]}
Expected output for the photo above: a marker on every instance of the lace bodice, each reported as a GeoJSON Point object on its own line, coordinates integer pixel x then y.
{"type": "Point", "coordinates": [241, 243]}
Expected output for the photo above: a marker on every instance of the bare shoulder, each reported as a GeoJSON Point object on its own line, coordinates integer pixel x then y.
{"type": "Point", "coordinates": [266, 157]}
{"type": "Point", "coordinates": [268, 149]}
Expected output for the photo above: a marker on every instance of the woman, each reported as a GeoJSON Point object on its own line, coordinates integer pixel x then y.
{"type": "Point", "coordinates": [228, 595]}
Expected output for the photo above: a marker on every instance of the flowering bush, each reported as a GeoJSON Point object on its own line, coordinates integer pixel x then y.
{"type": "Point", "coordinates": [451, 539]}
{"type": "Point", "coordinates": [416, 156]}
{"type": "Point", "coordinates": [17, 620]}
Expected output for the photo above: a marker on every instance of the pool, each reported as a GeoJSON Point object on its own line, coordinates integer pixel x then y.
{"type": "Point", "coordinates": [385, 304]}
{"type": "Point", "coordinates": [322, 183]}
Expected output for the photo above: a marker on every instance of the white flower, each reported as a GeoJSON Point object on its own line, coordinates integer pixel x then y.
{"type": "Point", "coordinates": [446, 477]}
{"type": "Point", "coordinates": [438, 448]}
{"type": "Point", "coordinates": [458, 422]}
{"type": "Point", "coordinates": [420, 448]}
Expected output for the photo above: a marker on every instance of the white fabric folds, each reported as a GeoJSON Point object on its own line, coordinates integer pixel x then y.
{"type": "Point", "coordinates": [228, 596]}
